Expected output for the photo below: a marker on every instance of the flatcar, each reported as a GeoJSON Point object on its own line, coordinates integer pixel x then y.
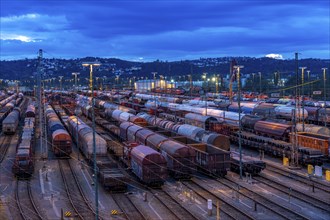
{"type": "Point", "coordinates": [250, 165]}
{"type": "Point", "coordinates": [110, 175]}
{"type": "Point", "coordinates": [10, 123]}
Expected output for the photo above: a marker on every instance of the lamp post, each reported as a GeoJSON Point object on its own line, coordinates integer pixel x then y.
{"type": "Point", "coordinates": [302, 96]}
{"type": "Point", "coordinates": [61, 77]}
{"type": "Point", "coordinates": [90, 65]}
{"type": "Point", "coordinates": [239, 119]}
{"type": "Point", "coordinates": [325, 96]}
{"type": "Point", "coordinates": [75, 80]}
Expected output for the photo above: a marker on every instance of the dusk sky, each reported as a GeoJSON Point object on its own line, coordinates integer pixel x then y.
{"type": "Point", "coordinates": [165, 30]}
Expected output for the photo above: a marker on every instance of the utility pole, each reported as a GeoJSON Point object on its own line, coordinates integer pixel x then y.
{"type": "Point", "coordinates": [302, 96]}
{"type": "Point", "coordinates": [90, 65]}
{"type": "Point", "coordinates": [239, 119]}
{"type": "Point", "coordinates": [39, 73]}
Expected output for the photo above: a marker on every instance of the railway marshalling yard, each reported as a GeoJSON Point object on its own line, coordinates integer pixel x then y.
{"type": "Point", "coordinates": [65, 188]}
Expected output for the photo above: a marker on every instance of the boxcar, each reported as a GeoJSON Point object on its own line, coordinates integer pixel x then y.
{"type": "Point", "coordinates": [148, 165]}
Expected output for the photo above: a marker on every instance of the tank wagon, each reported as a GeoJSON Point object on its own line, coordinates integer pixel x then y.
{"type": "Point", "coordinates": [148, 165]}
{"type": "Point", "coordinates": [61, 141]}
{"type": "Point", "coordinates": [23, 165]}
{"type": "Point", "coordinates": [287, 112]}
{"type": "Point", "coordinates": [318, 115]}
{"type": "Point", "coordinates": [10, 123]}
{"type": "Point", "coordinates": [321, 130]}
{"type": "Point", "coordinates": [30, 111]}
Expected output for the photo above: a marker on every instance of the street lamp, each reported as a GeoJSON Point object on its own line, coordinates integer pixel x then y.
{"type": "Point", "coordinates": [239, 119]}
{"type": "Point", "coordinates": [302, 96]}
{"type": "Point", "coordinates": [75, 80]}
{"type": "Point", "coordinates": [90, 65]}
{"type": "Point", "coordinates": [324, 94]}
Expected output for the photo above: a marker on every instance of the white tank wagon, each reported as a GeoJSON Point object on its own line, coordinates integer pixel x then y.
{"type": "Point", "coordinates": [85, 136]}
{"type": "Point", "coordinates": [314, 129]}
{"type": "Point", "coordinates": [10, 123]}
{"type": "Point", "coordinates": [287, 112]}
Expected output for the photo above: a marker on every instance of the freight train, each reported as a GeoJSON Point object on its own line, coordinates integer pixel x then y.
{"type": "Point", "coordinates": [60, 140]}
{"type": "Point", "coordinates": [207, 157]}
{"type": "Point", "coordinates": [23, 166]}
{"type": "Point", "coordinates": [199, 134]}
{"type": "Point", "coordinates": [109, 174]}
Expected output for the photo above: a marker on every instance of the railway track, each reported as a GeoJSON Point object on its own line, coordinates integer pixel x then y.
{"type": "Point", "coordinates": [316, 202]}
{"type": "Point", "coordinates": [172, 205]}
{"type": "Point", "coordinates": [230, 210]}
{"type": "Point", "coordinates": [79, 202]}
{"type": "Point", "coordinates": [282, 210]}
{"type": "Point", "coordinates": [4, 145]}
{"type": "Point", "coordinates": [25, 202]}
{"type": "Point", "coordinates": [129, 210]}
{"type": "Point", "coordinates": [300, 178]}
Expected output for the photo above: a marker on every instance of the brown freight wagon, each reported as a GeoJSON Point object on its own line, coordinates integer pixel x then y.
{"type": "Point", "coordinates": [315, 141]}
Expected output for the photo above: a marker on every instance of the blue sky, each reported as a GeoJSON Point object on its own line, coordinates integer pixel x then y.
{"type": "Point", "coordinates": [167, 30]}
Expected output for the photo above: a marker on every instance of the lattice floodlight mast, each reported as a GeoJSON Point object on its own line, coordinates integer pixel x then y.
{"type": "Point", "coordinates": [294, 146]}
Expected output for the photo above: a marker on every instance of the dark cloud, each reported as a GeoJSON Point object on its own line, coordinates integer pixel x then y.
{"type": "Point", "coordinates": [166, 29]}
